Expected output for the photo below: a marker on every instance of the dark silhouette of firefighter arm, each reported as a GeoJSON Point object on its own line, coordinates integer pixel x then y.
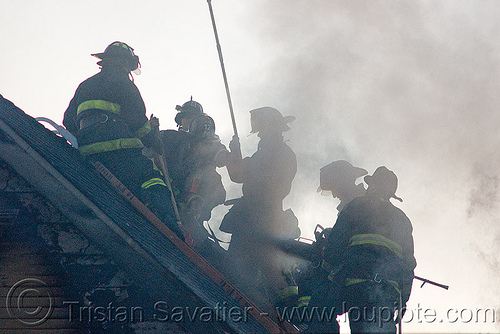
{"type": "Point", "coordinates": [234, 161]}
{"type": "Point", "coordinates": [108, 117]}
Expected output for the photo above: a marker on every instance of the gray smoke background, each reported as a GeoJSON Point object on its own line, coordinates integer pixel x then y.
{"type": "Point", "coordinates": [410, 85]}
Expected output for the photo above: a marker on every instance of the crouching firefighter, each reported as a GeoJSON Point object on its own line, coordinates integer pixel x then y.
{"type": "Point", "coordinates": [370, 252]}
{"type": "Point", "coordinates": [108, 117]}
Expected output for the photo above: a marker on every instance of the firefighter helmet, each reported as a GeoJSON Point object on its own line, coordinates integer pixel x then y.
{"type": "Point", "coordinates": [338, 173]}
{"type": "Point", "coordinates": [385, 181]}
{"type": "Point", "coordinates": [119, 50]}
{"type": "Point", "coordinates": [189, 109]}
{"type": "Point", "coordinates": [202, 126]}
{"type": "Point", "coordinates": [269, 119]}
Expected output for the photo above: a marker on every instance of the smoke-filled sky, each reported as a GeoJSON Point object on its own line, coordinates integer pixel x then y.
{"type": "Point", "coordinates": [412, 85]}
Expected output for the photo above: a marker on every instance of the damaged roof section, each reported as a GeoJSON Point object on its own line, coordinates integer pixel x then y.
{"type": "Point", "coordinates": [114, 227]}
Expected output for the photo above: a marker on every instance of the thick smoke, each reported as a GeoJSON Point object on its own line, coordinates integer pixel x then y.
{"type": "Point", "coordinates": [410, 85]}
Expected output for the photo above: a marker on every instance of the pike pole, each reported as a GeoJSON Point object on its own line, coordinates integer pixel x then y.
{"type": "Point", "coordinates": [219, 50]}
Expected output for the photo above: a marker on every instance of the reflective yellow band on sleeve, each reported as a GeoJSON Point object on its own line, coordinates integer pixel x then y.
{"type": "Point", "coordinates": [98, 104]}
{"type": "Point", "coordinates": [289, 291]}
{"type": "Point", "coordinates": [351, 281]}
{"type": "Point", "coordinates": [153, 182]}
{"type": "Point", "coordinates": [376, 239]}
{"type": "Point", "coordinates": [144, 130]}
{"type": "Point", "coordinates": [110, 145]}
{"type": "Point", "coordinates": [304, 301]}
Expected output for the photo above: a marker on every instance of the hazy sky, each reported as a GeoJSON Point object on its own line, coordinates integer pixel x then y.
{"type": "Point", "coordinates": [412, 85]}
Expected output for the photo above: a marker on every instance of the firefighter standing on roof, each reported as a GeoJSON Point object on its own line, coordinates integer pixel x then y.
{"type": "Point", "coordinates": [370, 251]}
{"type": "Point", "coordinates": [257, 219]}
{"type": "Point", "coordinates": [193, 153]}
{"type": "Point", "coordinates": [337, 179]}
{"type": "Point", "coordinates": [108, 117]}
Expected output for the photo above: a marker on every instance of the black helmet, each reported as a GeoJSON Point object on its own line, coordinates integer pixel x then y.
{"type": "Point", "coordinates": [202, 126]}
{"type": "Point", "coordinates": [338, 173]}
{"type": "Point", "coordinates": [188, 109]}
{"type": "Point", "coordinates": [269, 119]}
{"type": "Point", "coordinates": [385, 182]}
{"type": "Point", "coordinates": [119, 50]}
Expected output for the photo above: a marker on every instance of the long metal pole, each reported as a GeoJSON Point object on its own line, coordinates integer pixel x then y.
{"type": "Point", "coordinates": [235, 130]}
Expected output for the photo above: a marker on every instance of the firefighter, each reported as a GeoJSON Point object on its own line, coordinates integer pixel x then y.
{"type": "Point", "coordinates": [193, 153]}
{"type": "Point", "coordinates": [208, 153]}
{"type": "Point", "coordinates": [108, 117]}
{"type": "Point", "coordinates": [370, 251]}
{"type": "Point", "coordinates": [339, 180]}
{"type": "Point", "coordinates": [257, 219]}
{"type": "Point", "coordinates": [177, 143]}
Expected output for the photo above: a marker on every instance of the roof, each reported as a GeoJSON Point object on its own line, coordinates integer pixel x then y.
{"type": "Point", "coordinates": [59, 173]}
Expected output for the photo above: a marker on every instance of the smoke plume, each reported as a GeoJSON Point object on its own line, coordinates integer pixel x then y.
{"type": "Point", "coordinates": [410, 85]}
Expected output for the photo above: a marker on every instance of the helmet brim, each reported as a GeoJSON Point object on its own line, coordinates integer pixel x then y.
{"type": "Point", "coordinates": [100, 55]}
{"type": "Point", "coordinates": [283, 127]}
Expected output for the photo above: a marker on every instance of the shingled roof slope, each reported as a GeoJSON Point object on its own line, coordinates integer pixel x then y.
{"type": "Point", "coordinates": [72, 185]}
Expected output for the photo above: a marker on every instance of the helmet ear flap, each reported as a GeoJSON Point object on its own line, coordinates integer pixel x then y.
{"type": "Point", "coordinates": [178, 119]}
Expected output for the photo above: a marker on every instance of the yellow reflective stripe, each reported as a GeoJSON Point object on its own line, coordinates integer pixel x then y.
{"type": "Point", "coordinates": [143, 130]}
{"type": "Point", "coordinates": [121, 44]}
{"type": "Point", "coordinates": [376, 239]}
{"type": "Point", "coordinates": [304, 301]}
{"type": "Point", "coordinates": [153, 182]}
{"type": "Point", "coordinates": [351, 281]}
{"type": "Point", "coordinates": [98, 104]}
{"type": "Point", "coordinates": [110, 145]}
{"type": "Point", "coordinates": [289, 291]}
